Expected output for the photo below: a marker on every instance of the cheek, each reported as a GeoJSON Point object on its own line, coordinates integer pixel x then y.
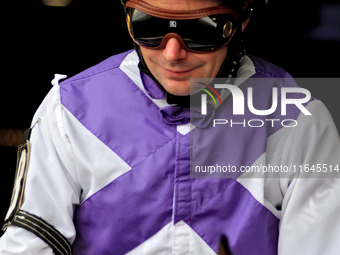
{"type": "Point", "coordinates": [220, 57]}
{"type": "Point", "coordinates": [214, 61]}
{"type": "Point", "coordinates": [151, 56]}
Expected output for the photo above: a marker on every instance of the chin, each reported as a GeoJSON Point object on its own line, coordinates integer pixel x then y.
{"type": "Point", "coordinates": [178, 89]}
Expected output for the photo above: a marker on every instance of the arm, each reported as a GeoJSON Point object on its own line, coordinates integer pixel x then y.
{"type": "Point", "coordinates": [52, 190]}
{"type": "Point", "coordinates": [310, 222]}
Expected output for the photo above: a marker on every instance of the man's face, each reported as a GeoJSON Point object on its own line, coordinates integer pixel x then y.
{"type": "Point", "coordinates": [173, 66]}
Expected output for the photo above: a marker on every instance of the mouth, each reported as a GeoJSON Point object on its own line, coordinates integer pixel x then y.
{"type": "Point", "coordinates": [177, 73]}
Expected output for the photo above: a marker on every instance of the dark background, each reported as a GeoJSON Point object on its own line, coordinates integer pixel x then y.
{"type": "Point", "coordinates": [301, 36]}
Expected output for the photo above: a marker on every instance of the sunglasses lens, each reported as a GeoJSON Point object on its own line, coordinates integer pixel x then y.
{"type": "Point", "coordinates": [149, 41]}
{"type": "Point", "coordinates": [204, 34]}
{"type": "Point", "coordinates": [147, 30]}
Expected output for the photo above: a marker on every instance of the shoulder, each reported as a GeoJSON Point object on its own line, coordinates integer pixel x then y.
{"type": "Point", "coordinates": [110, 64]}
{"type": "Point", "coordinates": [101, 82]}
{"type": "Point", "coordinates": [266, 69]}
{"type": "Point", "coordinates": [97, 87]}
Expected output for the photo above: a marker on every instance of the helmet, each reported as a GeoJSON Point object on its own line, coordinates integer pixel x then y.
{"type": "Point", "coordinates": [237, 4]}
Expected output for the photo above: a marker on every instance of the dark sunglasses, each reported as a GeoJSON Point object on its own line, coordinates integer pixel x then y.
{"type": "Point", "coordinates": [199, 31]}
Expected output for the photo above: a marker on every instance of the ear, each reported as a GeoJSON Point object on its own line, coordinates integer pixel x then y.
{"type": "Point", "coordinates": [245, 23]}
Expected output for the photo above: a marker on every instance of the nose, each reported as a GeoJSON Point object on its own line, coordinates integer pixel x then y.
{"type": "Point", "coordinates": [173, 50]}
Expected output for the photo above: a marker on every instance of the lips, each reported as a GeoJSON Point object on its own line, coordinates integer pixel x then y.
{"type": "Point", "coordinates": [176, 73]}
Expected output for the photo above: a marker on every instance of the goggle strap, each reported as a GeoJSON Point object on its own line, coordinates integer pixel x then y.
{"type": "Point", "coordinates": [179, 15]}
